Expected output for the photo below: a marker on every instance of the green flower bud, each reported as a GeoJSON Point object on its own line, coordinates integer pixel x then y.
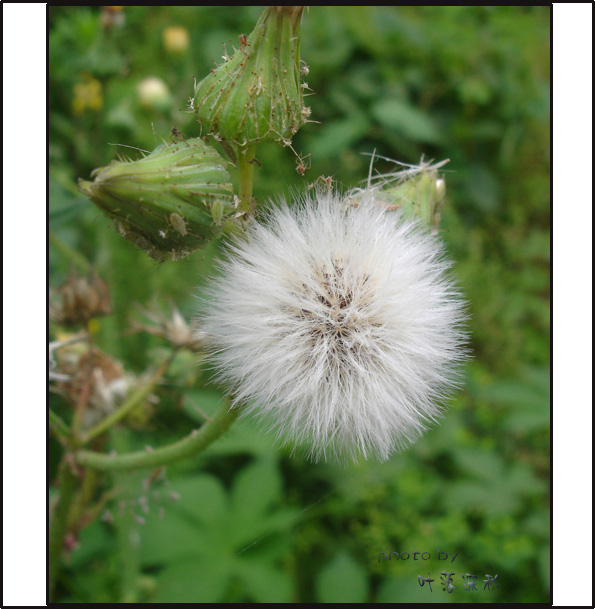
{"type": "Point", "coordinates": [418, 192]}
{"type": "Point", "coordinates": [257, 95]}
{"type": "Point", "coordinates": [170, 202]}
{"type": "Point", "coordinates": [419, 196]}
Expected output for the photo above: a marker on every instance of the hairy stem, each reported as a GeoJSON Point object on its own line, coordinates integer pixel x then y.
{"type": "Point", "coordinates": [193, 444]}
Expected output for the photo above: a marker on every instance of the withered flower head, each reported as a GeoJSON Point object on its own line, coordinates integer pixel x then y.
{"type": "Point", "coordinates": [173, 328]}
{"type": "Point", "coordinates": [79, 299]}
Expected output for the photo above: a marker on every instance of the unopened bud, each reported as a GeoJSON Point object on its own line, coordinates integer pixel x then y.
{"type": "Point", "coordinates": [256, 95]}
{"type": "Point", "coordinates": [169, 203]}
{"type": "Point", "coordinates": [419, 196]}
{"type": "Point", "coordinates": [418, 192]}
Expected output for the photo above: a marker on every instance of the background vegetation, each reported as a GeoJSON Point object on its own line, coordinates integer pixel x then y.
{"type": "Point", "coordinates": [255, 523]}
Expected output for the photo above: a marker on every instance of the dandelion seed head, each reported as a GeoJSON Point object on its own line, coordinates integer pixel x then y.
{"type": "Point", "coordinates": [338, 325]}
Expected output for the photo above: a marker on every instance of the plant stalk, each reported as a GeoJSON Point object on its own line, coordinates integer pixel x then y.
{"type": "Point", "coordinates": [129, 404]}
{"type": "Point", "coordinates": [246, 162]}
{"type": "Point", "coordinates": [68, 483]}
{"type": "Point", "coordinates": [196, 442]}
{"type": "Point", "coordinates": [58, 427]}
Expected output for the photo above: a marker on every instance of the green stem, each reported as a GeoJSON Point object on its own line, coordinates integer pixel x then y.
{"type": "Point", "coordinates": [68, 483]}
{"type": "Point", "coordinates": [193, 444]}
{"type": "Point", "coordinates": [128, 536]}
{"type": "Point", "coordinates": [128, 540]}
{"type": "Point", "coordinates": [58, 427]}
{"type": "Point", "coordinates": [246, 164]}
{"type": "Point", "coordinates": [80, 504]}
{"type": "Point", "coordinates": [129, 404]}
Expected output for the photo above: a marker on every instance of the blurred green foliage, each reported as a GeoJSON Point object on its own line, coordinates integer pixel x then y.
{"type": "Point", "coordinates": [255, 523]}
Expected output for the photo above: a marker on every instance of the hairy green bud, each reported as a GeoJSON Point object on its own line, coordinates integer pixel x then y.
{"type": "Point", "coordinates": [170, 202]}
{"type": "Point", "coordinates": [419, 196]}
{"type": "Point", "coordinates": [418, 192]}
{"type": "Point", "coordinates": [257, 95]}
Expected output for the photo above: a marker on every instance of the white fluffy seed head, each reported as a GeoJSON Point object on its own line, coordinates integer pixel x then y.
{"type": "Point", "coordinates": [338, 325]}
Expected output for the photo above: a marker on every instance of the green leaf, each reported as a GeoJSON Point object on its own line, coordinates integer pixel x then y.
{"type": "Point", "coordinates": [342, 581]}
{"type": "Point", "coordinates": [94, 540]}
{"type": "Point", "coordinates": [407, 120]}
{"type": "Point", "coordinates": [337, 136]}
{"type": "Point", "coordinates": [256, 488]}
{"type": "Point", "coordinates": [199, 581]}
{"type": "Point", "coordinates": [202, 497]}
{"type": "Point", "coordinates": [265, 583]}
{"type": "Point", "coordinates": [248, 530]}
{"type": "Point", "coordinates": [178, 529]}
{"type": "Point", "coordinates": [169, 539]}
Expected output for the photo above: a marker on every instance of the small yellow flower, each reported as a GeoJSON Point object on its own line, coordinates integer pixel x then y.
{"type": "Point", "coordinates": [176, 39]}
{"type": "Point", "coordinates": [87, 95]}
